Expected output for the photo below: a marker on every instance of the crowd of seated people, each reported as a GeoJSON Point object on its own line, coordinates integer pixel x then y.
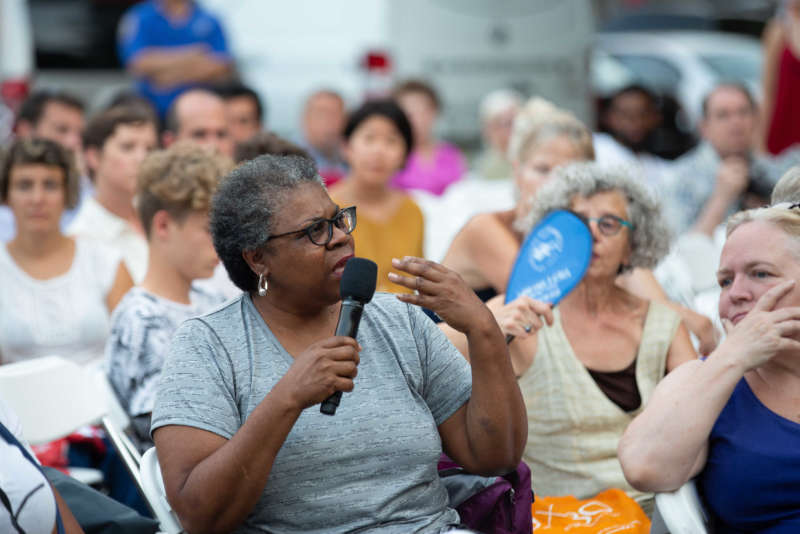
{"type": "Point", "coordinates": [222, 365]}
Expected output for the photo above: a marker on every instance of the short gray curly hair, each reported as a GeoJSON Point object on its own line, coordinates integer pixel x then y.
{"type": "Point", "coordinates": [650, 236]}
{"type": "Point", "coordinates": [245, 205]}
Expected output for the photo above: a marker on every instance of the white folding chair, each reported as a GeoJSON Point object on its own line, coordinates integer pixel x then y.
{"type": "Point", "coordinates": [53, 397]}
{"type": "Point", "coordinates": [680, 512]}
{"type": "Point", "coordinates": [50, 398]}
{"type": "Point", "coordinates": [153, 487]}
{"type": "Point", "coordinates": [116, 421]}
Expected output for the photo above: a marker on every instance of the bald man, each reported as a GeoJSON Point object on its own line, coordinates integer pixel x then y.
{"type": "Point", "coordinates": [199, 116]}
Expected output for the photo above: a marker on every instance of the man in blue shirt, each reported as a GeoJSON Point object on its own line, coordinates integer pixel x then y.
{"type": "Point", "coordinates": [171, 46]}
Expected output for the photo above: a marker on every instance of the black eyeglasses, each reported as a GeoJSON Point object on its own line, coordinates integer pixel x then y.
{"type": "Point", "coordinates": [320, 232]}
{"type": "Point", "coordinates": [608, 225]}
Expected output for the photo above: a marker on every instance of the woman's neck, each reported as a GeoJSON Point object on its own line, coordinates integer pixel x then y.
{"type": "Point", "coordinates": [425, 148]}
{"type": "Point", "coordinates": [38, 244]}
{"type": "Point", "coordinates": [522, 209]}
{"type": "Point", "coordinates": [296, 325]}
{"type": "Point", "coordinates": [507, 219]}
{"type": "Point", "coordinates": [594, 296]}
{"type": "Point", "coordinates": [781, 373]}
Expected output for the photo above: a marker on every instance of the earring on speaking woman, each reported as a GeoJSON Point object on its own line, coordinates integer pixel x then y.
{"type": "Point", "coordinates": [262, 285]}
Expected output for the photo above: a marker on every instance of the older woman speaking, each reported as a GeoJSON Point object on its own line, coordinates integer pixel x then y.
{"type": "Point", "coordinates": [242, 445]}
{"type": "Point", "coordinates": [594, 365]}
{"type": "Point", "coordinates": [733, 420]}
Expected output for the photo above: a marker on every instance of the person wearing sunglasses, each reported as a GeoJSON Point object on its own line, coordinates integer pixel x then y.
{"type": "Point", "coordinates": [588, 366]}
{"type": "Point", "coordinates": [241, 441]}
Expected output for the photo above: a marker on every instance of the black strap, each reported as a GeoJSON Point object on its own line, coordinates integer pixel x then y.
{"type": "Point", "coordinates": [9, 437]}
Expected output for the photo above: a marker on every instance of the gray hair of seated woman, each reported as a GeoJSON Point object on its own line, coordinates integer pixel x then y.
{"type": "Point", "coordinates": [245, 205]}
{"type": "Point", "coordinates": [650, 236]}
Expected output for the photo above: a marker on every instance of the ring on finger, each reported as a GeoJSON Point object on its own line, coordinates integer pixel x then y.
{"type": "Point", "coordinates": [528, 329]}
{"type": "Point", "coordinates": [417, 283]}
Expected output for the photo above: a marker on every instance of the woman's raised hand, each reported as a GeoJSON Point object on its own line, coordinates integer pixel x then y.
{"type": "Point", "coordinates": [521, 317]}
{"type": "Point", "coordinates": [765, 331]}
{"type": "Point", "coordinates": [327, 366]}
{"type": "Point", "coordinates": [441, 290]}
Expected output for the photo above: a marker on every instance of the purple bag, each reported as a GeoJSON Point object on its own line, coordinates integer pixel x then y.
{"type": "Point", "coordinates": [500, 505]}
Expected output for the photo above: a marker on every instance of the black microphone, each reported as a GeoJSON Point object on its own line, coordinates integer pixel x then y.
{"type": "Point", "coordinates": [356, 289]}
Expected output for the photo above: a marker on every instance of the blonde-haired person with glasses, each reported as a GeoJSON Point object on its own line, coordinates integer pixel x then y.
{"type": "Point", "coordinates": [57, 292]}
{"type": "Point", "coordinates": [733, 420]}
{"type": "Point", "coordinates": [483, 252]}
{"type": "Point", "coordinates": [543, 138]}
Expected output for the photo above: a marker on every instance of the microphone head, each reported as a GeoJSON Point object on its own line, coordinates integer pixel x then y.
{"type": "Point", "coordinates": [358, 280]}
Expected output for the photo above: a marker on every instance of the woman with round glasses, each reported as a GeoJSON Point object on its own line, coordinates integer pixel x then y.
{"type": "Point", "coordinates": [241, 441]}
{"type": "Point", "coordinates": [544, 138]}
{"type": "Point", "coordinates": [378, 140]}
{"type": "Point", "coordinates": [593, 366]}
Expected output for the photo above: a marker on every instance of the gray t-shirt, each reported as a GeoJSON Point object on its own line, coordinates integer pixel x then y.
{"type": "Point", "coordinates": [370, 468]}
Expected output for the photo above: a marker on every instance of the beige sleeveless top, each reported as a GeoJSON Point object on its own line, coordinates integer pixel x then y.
{"type": "Point", "coordinates": [573, 428]}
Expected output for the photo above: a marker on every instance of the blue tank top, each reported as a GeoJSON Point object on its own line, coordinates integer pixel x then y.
{"type": "Point", "coordinates": [751, 481]}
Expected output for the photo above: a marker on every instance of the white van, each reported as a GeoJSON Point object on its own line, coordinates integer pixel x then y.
{"type": "Point", "coordinates": [465, 48]}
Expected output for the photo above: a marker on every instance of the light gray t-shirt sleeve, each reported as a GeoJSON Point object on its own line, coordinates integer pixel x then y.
{"type": "Point", "coordinates": [197, 387]}
{"type": "Point", "coordinates": [447, 375]}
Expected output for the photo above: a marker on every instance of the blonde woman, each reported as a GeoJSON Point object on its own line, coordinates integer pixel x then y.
{"type": "Point", "coordinates": [733, 419]}
{"type": "Point", "coordinates": [544, 137]}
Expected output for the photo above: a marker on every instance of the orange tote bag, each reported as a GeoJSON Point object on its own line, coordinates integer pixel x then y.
{"type": "Point", "coordinates": [608, 512]}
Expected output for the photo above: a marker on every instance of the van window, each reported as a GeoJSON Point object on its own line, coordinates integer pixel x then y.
{"type": "Point", "coordinates": [654, 71]}
{"type": "Point", "coordinates": [741, 68]}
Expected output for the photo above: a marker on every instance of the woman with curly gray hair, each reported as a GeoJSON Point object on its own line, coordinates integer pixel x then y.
{"type": "Point", "coordinates": [588, 372]}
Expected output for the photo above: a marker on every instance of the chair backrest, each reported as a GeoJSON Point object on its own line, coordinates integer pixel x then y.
{"type": "Point", "coordinates": [116, 422]}
{"type": "Point", "coordinates": [153, 487]}
{"type": "Point", "coordinates": [682, 510]}
{"type": "Point", "coordinates": [51, 396]}
{"type": "Point", "coordinates": [116, 412]}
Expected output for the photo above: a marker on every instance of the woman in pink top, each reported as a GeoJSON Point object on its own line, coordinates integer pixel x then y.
{"type": "Point", "coordinates": [432, 165]}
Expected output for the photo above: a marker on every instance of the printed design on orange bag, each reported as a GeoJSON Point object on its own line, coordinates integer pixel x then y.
{"type": "Point", "coordinates": [609, 512]}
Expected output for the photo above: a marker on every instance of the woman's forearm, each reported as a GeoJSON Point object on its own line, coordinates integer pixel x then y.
{"type": "Point", "coordinates": [222, 488]}
{"type": "Point", "coordinates": [660, 448]}
{"type": "Point", "coordinates": [496, 422]}
{"type": "Point", "coordinates": [458, 339]}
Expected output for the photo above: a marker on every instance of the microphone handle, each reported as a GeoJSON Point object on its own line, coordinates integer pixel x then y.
{"type": "Point", "coordinates": [349, 317]}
